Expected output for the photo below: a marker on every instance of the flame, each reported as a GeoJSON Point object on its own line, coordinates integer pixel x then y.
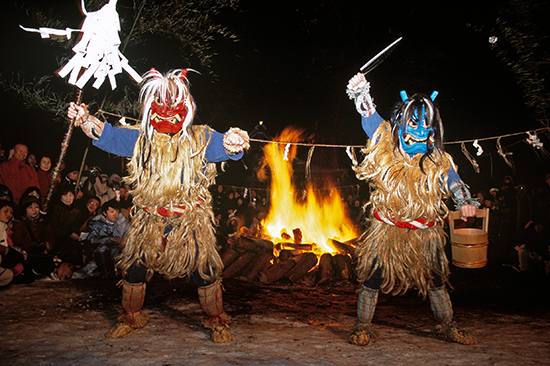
{"type": "Point", "coordinates": [320, 218]}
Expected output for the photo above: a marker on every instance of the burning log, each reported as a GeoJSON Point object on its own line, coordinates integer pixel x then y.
{"type": "Point", "coordinates": [306, 247]}
{"type": "Point", "coordinates": [285, 236]}
{"type": "Point", "coordinates": [304, 263]}
{"type": "Point", "coordinates": [297, 236]}
{"type": "Point", "coordinates": [342, 247]}
{"type": "Point", "coordinates": [259, 262]}
{"type": "Point", "coordinates": [276, 271]}
{"type": "Point", "coordinates": [254, 244]}
{"type": "Point", "coordinates": [285, 254]}
{"type": "Point", "coordinates": [238, 264]}
{"type": "Point", "coordinates": [326, 271]}
{"type": "Point", "coordinates": [342, 267]}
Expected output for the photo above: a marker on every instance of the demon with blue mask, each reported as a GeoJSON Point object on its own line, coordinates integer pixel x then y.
{"type": "Point", "coordinates": [415, 135]}
{"type": "Point", "coordinates": [410, 175]}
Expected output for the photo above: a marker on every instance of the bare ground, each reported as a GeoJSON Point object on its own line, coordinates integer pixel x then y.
{"type": "Point", "coordinates": [63, 323]}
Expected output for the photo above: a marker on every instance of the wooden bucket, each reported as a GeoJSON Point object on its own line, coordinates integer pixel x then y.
{"type": "Point", "coordinates": [469, 245]}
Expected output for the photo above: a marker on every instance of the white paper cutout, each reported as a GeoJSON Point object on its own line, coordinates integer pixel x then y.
{"type": "Point", "coordinates": [534, 141]}
{"type": "Point", "coordinates": [285, 153]}
{"type": "Point", "coordinates": [478, 147]}
{"type": "Point", "coordinates": [97, 51]}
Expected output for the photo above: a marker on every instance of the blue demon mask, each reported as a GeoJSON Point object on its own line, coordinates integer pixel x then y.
{"type": "Point", "coordinates": [416, 136]}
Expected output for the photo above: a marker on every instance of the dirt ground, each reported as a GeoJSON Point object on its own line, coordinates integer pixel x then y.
{"type": "Point", "coordinates": [63, 323]}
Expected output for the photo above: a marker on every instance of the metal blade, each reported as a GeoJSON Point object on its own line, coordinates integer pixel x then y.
{"type": "Point", "coordinates": [379, 58]}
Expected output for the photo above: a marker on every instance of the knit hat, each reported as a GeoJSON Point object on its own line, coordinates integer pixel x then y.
{"type": "Point", "coordinates": [29, 200]}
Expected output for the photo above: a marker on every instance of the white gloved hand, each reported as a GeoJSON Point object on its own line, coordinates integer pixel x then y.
{"type": "Point", "coordinates": [77, 112]}
{"type": "Point", "coordinates": [235, 141]}
{"type": "Point", "coordinates": [91, 126]}
{"type": "Point", "coordinates": [359, 90]}
{"type": "Point", "coordinates": [357, 81]}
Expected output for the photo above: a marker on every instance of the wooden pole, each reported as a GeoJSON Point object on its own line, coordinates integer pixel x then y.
{"type": "Point", "coordinates": [82, 167]}
{"type": "Point", "coordinates": [64, 146]}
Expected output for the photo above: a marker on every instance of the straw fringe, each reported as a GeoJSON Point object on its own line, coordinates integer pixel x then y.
{"type": "Point", "coordinates": [410, 258]}
{"type": "Point", "coordinates": [169, 172]}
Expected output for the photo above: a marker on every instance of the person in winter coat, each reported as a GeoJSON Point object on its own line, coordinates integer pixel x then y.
{"type": "Point", "coordinates": [64, 221]}
{"type": "Point", "coordinates": [44, 176]}
{"type": "Point", "coordinates": [17, 174]}
{"type": "Point", "coordinates": [34, 236]}
{"type": "Point", "coordinates": [11, 257]}
{"type": "Point", "coordinates": [105, 238]}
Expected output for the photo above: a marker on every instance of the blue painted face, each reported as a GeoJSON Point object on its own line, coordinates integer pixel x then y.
{"type": "Point", "coordinates": [417, 136]}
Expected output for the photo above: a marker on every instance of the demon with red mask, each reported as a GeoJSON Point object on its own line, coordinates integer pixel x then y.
{"type": "Point", "coordinates": [172, 165]}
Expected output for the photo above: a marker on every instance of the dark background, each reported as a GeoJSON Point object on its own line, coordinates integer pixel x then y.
{"type": "Point", "coordinates": [290, 67]}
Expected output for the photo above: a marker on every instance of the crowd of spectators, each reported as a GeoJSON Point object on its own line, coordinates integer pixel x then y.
{"type": "Point", "coordinates": [519, 225]}
{"type": "Point", "coordinates": [238, 207]}
{"type": "Point", "coordinates": [79, 234]}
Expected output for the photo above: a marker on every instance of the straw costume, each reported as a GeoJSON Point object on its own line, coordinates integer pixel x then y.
{"type": "Point", "coordinates": [171, 168]}
{"type": "Point", "coordinates": [410, 174]}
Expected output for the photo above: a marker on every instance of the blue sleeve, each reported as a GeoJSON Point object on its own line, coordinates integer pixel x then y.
{"type": "Point", "coordinates": [459, 190]}
{"type": "Point", "coordinates": [215, 152]}
{"type": "Point", "coordinates": [371, 123]}
{"type": "Point", "coordinates": [453, 176]}
{"type": "Point", "coordinates": [121, 141]}
{"type": "Point", "coordinates": [118, 141]}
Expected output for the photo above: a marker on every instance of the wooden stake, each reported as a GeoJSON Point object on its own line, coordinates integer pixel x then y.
{"type": "Point", "coordinates": [64, 146]}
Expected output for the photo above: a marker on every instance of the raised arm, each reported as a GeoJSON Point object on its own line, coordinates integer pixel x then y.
{"type": "Point", "coordinates": [118, 141]}
{"type": "Point", "coordinates": [358, 90]}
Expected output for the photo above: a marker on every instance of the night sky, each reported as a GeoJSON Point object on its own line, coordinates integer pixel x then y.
{"type": "Point", "coordinates": [291, 66]}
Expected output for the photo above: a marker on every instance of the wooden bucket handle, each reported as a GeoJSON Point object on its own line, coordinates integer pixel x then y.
{"type": "Point", "coordinates": [480, 213]}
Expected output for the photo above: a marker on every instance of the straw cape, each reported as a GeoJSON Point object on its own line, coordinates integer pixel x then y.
{"type": "Point", "coordinates": [172, 229]}
{"type": "Point", "coordinates": [404, 196]}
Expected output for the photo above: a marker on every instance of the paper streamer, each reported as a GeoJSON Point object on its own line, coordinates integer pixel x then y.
{"type": "Point", "coordinates": [97, 51]}
{"type": "Point", "coordinates": [478, 147]}
{"type": "Point", "coordinates": [285, 154]}
{"type": "Point", "coordinates": [505, 155]}
{"type": "Point", "coordinates": [308, 162]}
{"type": "Point", "coordinates": [351, 155]}
{"type": "Point", "coordinates": [472, 160]}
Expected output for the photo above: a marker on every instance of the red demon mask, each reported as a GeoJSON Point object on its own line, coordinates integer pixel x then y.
{"type": "Point", "coordinates": [166, 116]}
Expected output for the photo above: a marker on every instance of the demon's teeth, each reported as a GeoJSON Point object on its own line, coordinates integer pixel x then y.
{"type": "Point", "coordinates": [409, 139]}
